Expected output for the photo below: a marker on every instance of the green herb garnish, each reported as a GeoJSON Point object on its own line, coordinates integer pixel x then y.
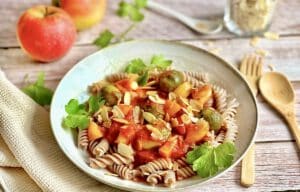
{"type": "Point", "coordinates": [95, 102]}
{"type": "Point", "coordinates": [78, 114]}
{"type": "Point", "coordinates": [143, 79]}
{"type": "Point", "coordinates": [38, 92]}
{"type": "Point", "coordinates": [208, 160]}
{"type": "Point", "coordinates": [136, 66]}
{"type": "Point", "coordinates": [133, 11]}
{"type": "Point", "coordinates": [159, 61]}
{"type": "Point", "coordinates": [104, 39]}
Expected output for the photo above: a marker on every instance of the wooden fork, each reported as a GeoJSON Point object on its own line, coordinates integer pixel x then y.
{"type": "Point", "coordinates": [251, 68]}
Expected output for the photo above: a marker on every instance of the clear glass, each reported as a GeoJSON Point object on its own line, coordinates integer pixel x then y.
{"type": "Point", "coordinates": [249, 17]}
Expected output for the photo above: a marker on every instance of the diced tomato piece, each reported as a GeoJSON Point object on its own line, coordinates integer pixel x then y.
{"type": "Point", "coordinates": [126, 85]}
{"type": "Point", "coordinates": [94, 131]}
{"type": "Point", "coordinates": [145, 156]}
{"type": "Point", "coordinates": [143, 140]}
{"type": "Point", "coordinates": [166, 149]}
{"type": "Point", "coordinates": [113, 132]}
{"type": "Point", "coordinates": [141, 93]}
{"type": "Point", "coordinates": [126, 135]}
{"type": "Point", "coordinates": [196, 132]}
{"type": "Point", "coordinates": [180, 129]}
{"type": "Point", "coordinates": [180, 149]}
{"type": "Point", "coordinates": [174, 147]}
{"type": "Point", "coordinates": [172, 107]}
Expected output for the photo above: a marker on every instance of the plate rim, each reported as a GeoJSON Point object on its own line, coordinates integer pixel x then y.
{"type": "Point", "coordinates": [172, 43]}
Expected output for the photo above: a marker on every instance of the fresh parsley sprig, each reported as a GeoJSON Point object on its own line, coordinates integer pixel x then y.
{"type": "Point", "coordinates": [138, 66]}
{"type": "Point", "coordinates": [38, 92]}
{"type": "Point", "coordinates": [78, 114]}
{"type": "Point", "coordinates": [208, 160]}
{"type": "Point", "coordinates": [134, 13]}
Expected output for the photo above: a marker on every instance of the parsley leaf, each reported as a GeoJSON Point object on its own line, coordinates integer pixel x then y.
{"type": "Point", "coordinates": [143, 79]}
{"type": "Point", "coordinates": [74, 121]}
{"type": "Point", "coordinates": [38, 92]}
{"type": "Point", "coordinates": [104, 39]}
{"type": "Point", "coordinates": [95, 102]}
{"type": "Point", "coordinates": [197, 152]}
{"type": "Point", "coordinates": [77, 116]}
{"type": "Point", "coordinates": [135, 66]}
{"type": "Point", "coordinates": [73, 107]}
{"type": "Point", "coordinates": [132, 10]}
{"type": "Point", "coordinates": [208, 160]}
{"type": "Point", "coordinates": [159, 61]}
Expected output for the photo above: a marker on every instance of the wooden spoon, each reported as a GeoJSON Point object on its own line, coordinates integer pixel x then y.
{"type": "Point", "coordinates": [278, 91]}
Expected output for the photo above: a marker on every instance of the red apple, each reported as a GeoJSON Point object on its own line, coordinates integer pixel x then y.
{"type": "Point", "coordinates": [46, 33]}
{"type": "Point", "coordinates": [85, 13]}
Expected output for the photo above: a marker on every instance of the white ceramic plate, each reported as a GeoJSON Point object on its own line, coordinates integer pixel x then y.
{"type": "Point", "coordinates": [113, 59]}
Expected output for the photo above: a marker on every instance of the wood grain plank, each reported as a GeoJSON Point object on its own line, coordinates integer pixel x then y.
{"type": "Point", "coordinates": [277, 168]}
{"type": "Point", "coordinates": [271, 127]}
{"type": "Point", "coordinates": [155, 25]}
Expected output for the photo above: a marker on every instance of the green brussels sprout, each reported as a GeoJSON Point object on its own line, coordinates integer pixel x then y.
{"type": "Point", "coordinates": [213, 117]}
{"type": "Point", "coordinates": [170, 80]}
{"type": "Point", "coordinates": [111, 94]}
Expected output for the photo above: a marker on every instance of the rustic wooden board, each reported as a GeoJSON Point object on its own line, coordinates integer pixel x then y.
{"type": "Point", "coordinates": [155, 25]}
{"type": "Point", "coordinates": [277, 168]}
{"type": "Point", "coordinates": [271, 126]}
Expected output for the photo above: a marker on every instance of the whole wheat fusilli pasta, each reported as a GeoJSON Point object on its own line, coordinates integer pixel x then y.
{"type": "Point", "coordinates": [123, 171]}
{"type": "Point", "coordinates": [99, 147]}
{"type": "Point", "coordinates": [155, 178]}
{"type": "Point", "coordinates": [83, 140]}
{"type": "Point", "coordinates": [220, 96]}
{"type": "Point", "coordinates": [184, 172]}
{"type": "Point", "coordinates": [116, 77]}
{"type": "Point", "coordinates": [197, 75]}
{"type": "Point", "coordinates": [159, 164]}
{"type": "Point", "coordinates": [231, 109]}
{"type": "Point", "coordinates": [109, 159]}
{"type": "Point", "coordinates": [169, 178]}
{"type": "Point", "coordinates": [232, 130]}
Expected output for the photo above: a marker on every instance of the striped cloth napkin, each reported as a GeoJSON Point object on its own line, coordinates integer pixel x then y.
{"type": "Point", "coordinates": [30, 159]}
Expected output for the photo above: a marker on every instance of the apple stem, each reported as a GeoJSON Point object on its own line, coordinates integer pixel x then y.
{"type": "Point", "coordinates": [46, 11]}
{"type": "Point", "coordinates": [123, 35]}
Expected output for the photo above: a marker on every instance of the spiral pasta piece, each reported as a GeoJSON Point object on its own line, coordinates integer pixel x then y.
{"type": "Point", "coordinates": [99, 148]}
{"type": "Point", "coordinates": [194, 82]}
{"type": "Point", "coordinates": [220, 137]}
{"type": "Point", "coordinates": [181, 162]}
{"type": "Point", "coordinates": [96, 87]}
{"type": "Point", "coordinates": [169, 178]}
{"type": "Point", "coordinates": [159, 164]}
{"type": "Point", "coordinates": [154, 178]}
{"type": "Point", "coordinates": [231, 109]}
{"type": "Point", "coordinates": [117, 77]}
{"type": "Point", "coordinates": [197, 75]}
{"type": "Point", "coordinates": [123, 171]}
{"type": "Point", "coordinates": [232, 130]}
{"type": "Point", "coordinates": [220, 96]}
{"type": "Point", "coordinates": [83, 140]}
{"type": "Point", "coordinates": [184, 173]}
{"type": "Point", "coordinates": [109, 159]}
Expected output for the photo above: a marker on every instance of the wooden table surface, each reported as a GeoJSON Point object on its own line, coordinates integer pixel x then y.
{"type": "Point", "coordinates": [277, 158]}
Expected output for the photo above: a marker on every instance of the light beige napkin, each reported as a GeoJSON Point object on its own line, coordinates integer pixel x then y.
{"type": "Point", "coordinates": [30, 159]}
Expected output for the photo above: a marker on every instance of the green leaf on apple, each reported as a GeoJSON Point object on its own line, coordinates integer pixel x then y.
{"type": "Point", "coordinates": [104, 39]}
{"type": "Point", "coordinates": [38, 92]}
